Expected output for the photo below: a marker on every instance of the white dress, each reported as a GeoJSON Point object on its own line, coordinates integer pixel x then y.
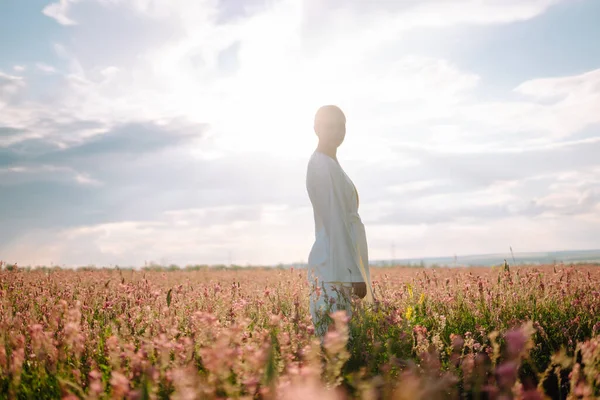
{"type": "Point", "coordinates": [339, 254]}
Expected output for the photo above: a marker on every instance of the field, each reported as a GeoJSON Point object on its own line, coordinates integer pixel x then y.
{"type": "Point", "coordinates": [526, 333]}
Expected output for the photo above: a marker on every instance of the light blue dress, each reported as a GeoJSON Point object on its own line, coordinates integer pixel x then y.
{"type": "Point", "coordinates": [339, 255]}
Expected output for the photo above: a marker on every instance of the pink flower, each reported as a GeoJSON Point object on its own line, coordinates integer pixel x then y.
{"type": "Point", "coordinates": [340, 318]}
{"type": "Point", "coordinates": [3, 358]}
{"type": "Point", "coordinates": [18, 356]}
{"type": "Point", "coordinates": [308, 390]}
{"type": "Point", "coordinates": [120, 384]}
{"type": "Point", "coordinates": [457, 342]}
{"type": "Point", "coordinates": [583, 390]}
{"type": "Point", "coordinates": [95, 374]}
{"type": "Point", "coordinates": [506, 374]}
{"type": "Point", "coordinates": [515, 342]}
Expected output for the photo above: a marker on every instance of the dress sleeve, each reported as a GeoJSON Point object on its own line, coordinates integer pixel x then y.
{"type": "Point", "coordinates": [329, 206]}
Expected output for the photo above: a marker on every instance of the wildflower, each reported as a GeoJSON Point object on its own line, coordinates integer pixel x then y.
{"type": "Point", "coordinates": [596, 328]}
{"type": "Point", "coordinates": [71, 332]}
{"type": "Point", "coordinates": [409, 313]}
{"type": "Point", "coordinates": [517, 340]}
{"type": "Point", "coordinates": [185, 385]}
{"type": "Point", "coordinates": [312, 389]}
{"type": "Point", "coordinates": [468, 366]}
{"type": "Point", "coordinates": [506, 374]}
{"type": "Point", "coordinates": [274, 319]}
{"type": "Point", "coordinates": [18, 356]}
{"type": "Point", "coordinates": [3, 358]}
{"type": "Point", "coordinates": [120, 384]}
{"type": "Point", "coordinates": [457, 342]}
{"type": "Point", "coordinates": [334, 342]}
{"type": "Point", "coordinates": [410, 388]}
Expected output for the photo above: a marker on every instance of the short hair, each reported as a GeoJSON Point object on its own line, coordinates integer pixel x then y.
{"type": "Point", "coordinates": [329, 116]}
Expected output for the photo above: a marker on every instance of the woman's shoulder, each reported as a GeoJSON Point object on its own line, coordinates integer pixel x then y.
{"type": "Point", "coordinates": [318, 158]}
{"type": "Point", "coordinates": [319, 168]}
{"type": "Point", "coordinates": [320, 164]}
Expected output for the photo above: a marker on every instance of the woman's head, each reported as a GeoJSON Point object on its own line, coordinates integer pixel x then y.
{"type": "Point", "coordinates": [330, 126]}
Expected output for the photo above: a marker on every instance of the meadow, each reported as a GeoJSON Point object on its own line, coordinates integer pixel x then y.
{"type": "Point", "coordinates": [433, 333]}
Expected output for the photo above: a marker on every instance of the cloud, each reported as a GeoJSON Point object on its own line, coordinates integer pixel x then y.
{"type": "Point", "coordinates": [8, 132]}
{"type": "Point", "coordinates": [549, 88]}
{"type": "Point", "coordinates": [127, 140]}
{"type": "Point", "coordinates": [117, 145]}
{"type": "Point", "coordinates": [10, 85]}
{"type": "Point", "coordinates": [59, 11]}
{"type": "Point", "coordinates": [45, 68]}
{"type": "Point", "coordinates": [429, 13]}
{"type": "Point", "coordinates": [225, 66]}
{"type": "Point", "coordinates": [187, 236]}
{"type": "Point", "coordinates": [513, 199]}
{"type": "Point", "coordinates": [523, 234]}
{"type": "Point", "coordinates": [482, 167]}
{"type": "Point", "coordinates": [467, 188]}
{"type": "Point", "coordinates": [132, 173]}
{"type": "Point", "coordinates": [183, 132]}
{"type": "Point", "coordinates": [555, 109]}
{"type": "Point", "coordinates": [18, 175]}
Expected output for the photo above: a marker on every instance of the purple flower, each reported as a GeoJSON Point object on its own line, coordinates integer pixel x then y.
{"type": "Point", "coordinates": [506, 374]}
{"type": "Point", "coordinates": [515, 342]}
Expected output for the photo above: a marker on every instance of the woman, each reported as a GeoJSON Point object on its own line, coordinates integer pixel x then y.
{"type": "Point", "coordinates": [338, 261]}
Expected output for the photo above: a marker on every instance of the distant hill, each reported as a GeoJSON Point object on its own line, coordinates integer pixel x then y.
{"type": "Point", "coordinates": [572, 256]}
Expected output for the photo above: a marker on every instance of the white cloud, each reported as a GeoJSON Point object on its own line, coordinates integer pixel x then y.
{"type": "Point", "coordinates": [411, 187]}
{"type": "Point", "coordinates": [280, 78]}
{"type": "Point", "coordinates": [10, 79]}
{"type": "Point", "coordinates": [59, 11]}
{"type": "Point", "coordinates": [10, 88]}
{"type": "Point", "coordinates": [181, 236]}
{"type": "Point", "coordinates": [43, 173]}
{"type": "Point", "coordinates": [49, 69]}
{"type": "Point", "coordinates": [440, 13]}
{"type": "Point", "coordinates": [523, 233]}
{"type": "Point", "coordinates": [550, 88]}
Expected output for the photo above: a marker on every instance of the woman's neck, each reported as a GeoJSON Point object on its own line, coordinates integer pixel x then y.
{"type": "Point", "coordinates": [327, 150]}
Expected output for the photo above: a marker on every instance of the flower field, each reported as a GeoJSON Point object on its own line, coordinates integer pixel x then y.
{"type": "Point", "coordinates": [442, 333]}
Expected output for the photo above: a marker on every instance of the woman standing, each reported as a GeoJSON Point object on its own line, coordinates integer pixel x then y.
{"type": "Point", "coordinates": [338, 261]}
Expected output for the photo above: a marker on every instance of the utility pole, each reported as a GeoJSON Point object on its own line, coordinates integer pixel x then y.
{"type": "Point", "coordinates": [393, 254]}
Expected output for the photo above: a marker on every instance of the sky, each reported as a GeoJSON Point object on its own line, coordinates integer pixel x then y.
{"type": "Point", "coordinates": [179, 131]}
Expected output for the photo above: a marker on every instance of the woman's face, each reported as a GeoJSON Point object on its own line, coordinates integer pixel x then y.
{"type": "Point", "coordinates": [335, 134]}
{"type": "Point", "coordinates": [340, 135]}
